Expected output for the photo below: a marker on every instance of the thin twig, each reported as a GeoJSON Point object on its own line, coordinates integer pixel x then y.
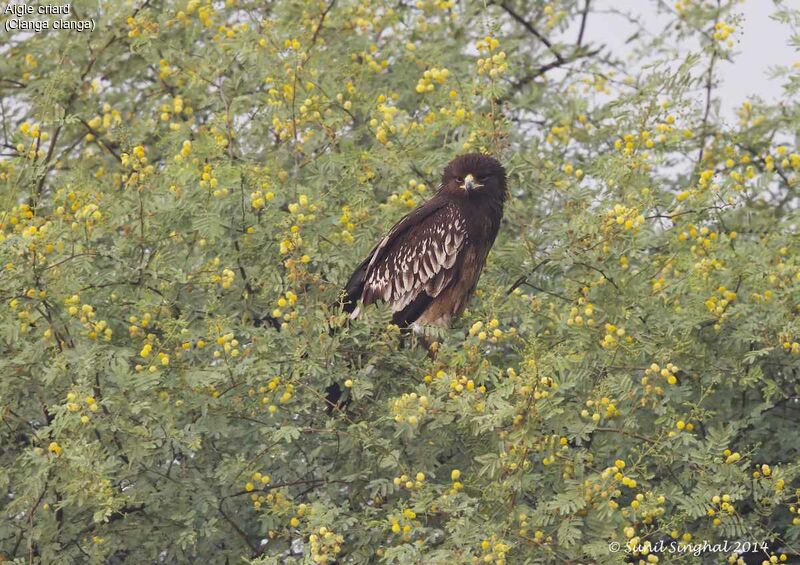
{"type": "Point", "coordinates": [532, 30]}
{"type": "Point", "coordinates": [626, 433]}
{"type": "Point", "coordinates": [584, 16]}
{"type": "Point", "coordinates": [99, 139]}
{"type": "Point", "coordinates": [580, 53]}
{"type": "Point", "coordinates": [551, 293]}
{"type": "Point", "coordinates": [709, 87]}
{"type": "Point", "coordinates": [321, 21]}
{"type": "Point", "coordinates": [524, 278]}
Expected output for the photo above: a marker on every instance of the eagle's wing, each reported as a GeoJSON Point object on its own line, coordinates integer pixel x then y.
{"type": "Point", "coordinates": [416, 259]}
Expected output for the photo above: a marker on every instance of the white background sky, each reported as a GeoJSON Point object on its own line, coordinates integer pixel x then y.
{"type": "Point", "coordinates": [761, 43]}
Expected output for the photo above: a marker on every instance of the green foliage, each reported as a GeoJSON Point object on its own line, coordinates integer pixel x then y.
{"type": "Point", "coordinates": [184, 190]}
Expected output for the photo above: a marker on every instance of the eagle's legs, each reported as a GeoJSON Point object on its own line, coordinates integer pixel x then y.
{"type": "Point", "coordinates": [431, 345]}
{"type": "Point", "coordinates": [418, 335]}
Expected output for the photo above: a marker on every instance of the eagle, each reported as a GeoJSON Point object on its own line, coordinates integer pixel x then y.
{"type": "Point", "coordinates": [428, 265]}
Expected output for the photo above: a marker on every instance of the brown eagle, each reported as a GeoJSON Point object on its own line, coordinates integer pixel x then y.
{"type": "Point", "coordinates": [427, 266]}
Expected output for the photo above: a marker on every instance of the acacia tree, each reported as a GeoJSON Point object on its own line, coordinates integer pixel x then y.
{"type": "Point", "coordinates": [185, 188]}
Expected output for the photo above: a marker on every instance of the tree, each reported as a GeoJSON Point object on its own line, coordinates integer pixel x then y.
{"type": "Point", "coordinates": [186, 187]}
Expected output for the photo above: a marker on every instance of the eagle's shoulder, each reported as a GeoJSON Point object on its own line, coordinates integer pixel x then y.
{"type": "Point", "coordinates": [418, 255]}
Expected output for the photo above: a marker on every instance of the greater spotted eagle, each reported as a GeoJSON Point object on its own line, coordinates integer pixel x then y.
{"type": "Point", "coordinates": [428, 265]}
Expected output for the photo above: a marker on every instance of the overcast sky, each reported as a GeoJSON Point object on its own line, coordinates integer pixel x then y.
{"type": "Point", "coordinates": [761, 43]}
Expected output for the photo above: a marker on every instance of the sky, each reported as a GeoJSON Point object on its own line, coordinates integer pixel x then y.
{"type": "Point", "coordinates": [762, 43]}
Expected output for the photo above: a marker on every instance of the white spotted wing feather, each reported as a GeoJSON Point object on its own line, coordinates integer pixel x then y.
{"type": "Point", "coordinates": [421, 259]}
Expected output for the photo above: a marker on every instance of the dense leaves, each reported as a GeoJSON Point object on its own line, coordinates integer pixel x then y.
{"type": "Point", "coordinates": [184, 190]}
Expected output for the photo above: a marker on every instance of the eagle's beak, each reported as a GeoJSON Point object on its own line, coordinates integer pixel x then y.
{"type": "Point", "coordinates": [470, 184]}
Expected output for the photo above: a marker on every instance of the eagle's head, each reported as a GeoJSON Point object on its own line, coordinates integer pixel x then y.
{"type": "Point", "coordinates": [475, 176]}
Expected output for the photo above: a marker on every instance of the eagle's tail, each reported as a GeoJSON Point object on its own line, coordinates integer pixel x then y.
{"type": "Point", "coordinates": [354, 288]}
{"type": "Point", "coordinates": [349, 300]}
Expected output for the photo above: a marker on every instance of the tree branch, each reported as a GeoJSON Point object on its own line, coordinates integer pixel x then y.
{"type": "Point", "coordinates": [532, 30]}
